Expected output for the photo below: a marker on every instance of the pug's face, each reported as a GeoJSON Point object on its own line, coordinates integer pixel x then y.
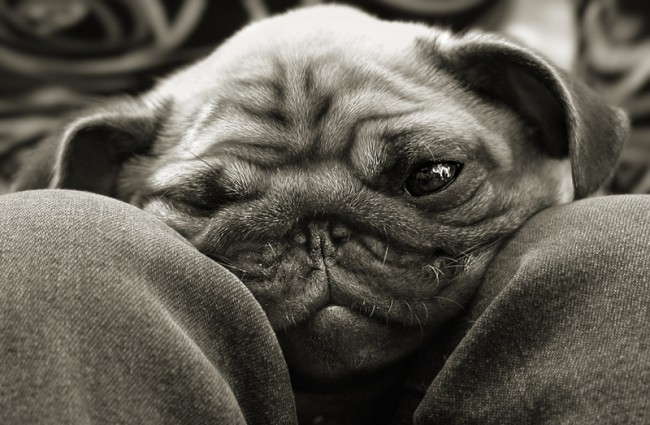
{"type": "Point", "coordinates": [356, 175]}
{"type": "Point", "coordinates": [359, 210]}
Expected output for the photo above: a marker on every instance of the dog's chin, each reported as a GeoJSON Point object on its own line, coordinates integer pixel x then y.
{"type": "Point", "coordinates": [338, 344]}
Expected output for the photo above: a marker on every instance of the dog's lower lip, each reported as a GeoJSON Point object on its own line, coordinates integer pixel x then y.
{"type": "Point", "coordinates": [333, 316]}
{"type": "Point", "coordinates": [337, 341]}
{"type": "Point", "coordinates": [338, 311]}
{"type": "Point", "coordinates": [338, 317]}
{"type": "Point", "coordinates": [344, 313]}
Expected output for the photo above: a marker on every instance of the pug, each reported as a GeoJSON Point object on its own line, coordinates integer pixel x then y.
{"type": "Point", "coordinates": [357, 175]}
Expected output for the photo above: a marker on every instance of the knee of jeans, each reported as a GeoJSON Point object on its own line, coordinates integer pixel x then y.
{"type": "Point", "coordinates": [606, 234]}
{"type": "Point", "coordinates": [594, 245]}
{"type": "Point", "coordinates": [54, 234]}
{"type": "Point", "coordinates": [614, 224]}
{"type": "Point", "coordinates": [84, 217]}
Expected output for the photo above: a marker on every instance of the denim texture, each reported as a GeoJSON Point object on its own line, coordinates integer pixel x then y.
{"type": "Point", "coordinates": [107, 316]}
{"type": "Point", "coordinates": [559, 332]}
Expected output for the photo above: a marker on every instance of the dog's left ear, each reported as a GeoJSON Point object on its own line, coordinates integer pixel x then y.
{"type": "Point", "coordinates": [93, 148]}
{"type": "Point", "coordinates": [89, 151]}
{"type": "Point", "coordinates": [569, 120]}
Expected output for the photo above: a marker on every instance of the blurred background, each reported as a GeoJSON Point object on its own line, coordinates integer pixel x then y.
{"type": "Point", "coordinates": [55, 54]}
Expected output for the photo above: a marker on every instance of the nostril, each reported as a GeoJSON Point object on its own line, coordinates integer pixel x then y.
{"type": "Point", "coordinates": [339, 231]}
{"type": "Point", "coordinates": [300, 238]}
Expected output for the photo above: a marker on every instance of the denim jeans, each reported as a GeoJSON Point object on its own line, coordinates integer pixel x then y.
{"type": "Point", "coordinates": [108, 316]}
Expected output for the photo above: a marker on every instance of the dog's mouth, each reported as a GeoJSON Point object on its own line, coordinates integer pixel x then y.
{"type": "Point", "coordinates": [353, 312]}
{"type": "Point", "coordinates": [401, 288]}
{"type": "Point", "coordinates": [337, 343]}
{"type": "Point", "coordinates": [348, 304]}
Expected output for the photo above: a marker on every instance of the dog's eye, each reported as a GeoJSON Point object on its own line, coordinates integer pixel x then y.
{"type": "Point", "coordinates": [432, 177]}
{"type": "Point", "coordinates": [194, 198]}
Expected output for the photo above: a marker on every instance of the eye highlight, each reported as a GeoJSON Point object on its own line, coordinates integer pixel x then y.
{"type": "Point", "coordinates": [432, 177]}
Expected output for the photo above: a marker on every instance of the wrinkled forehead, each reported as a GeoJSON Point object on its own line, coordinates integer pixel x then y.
{"type": "Point", "coordinates": [316, 107]}
{"type": "Point", "coordinates": [292, 98]}
{"type": "Point", "coordinates": [316, 32]}
{"type": "Point", "coordinates": [292, 89]}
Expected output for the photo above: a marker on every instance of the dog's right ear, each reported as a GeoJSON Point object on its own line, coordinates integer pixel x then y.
{"type": "Point", "coordinates": [567, 119]}
{"type": "Point", "coordinates": [89, 152]}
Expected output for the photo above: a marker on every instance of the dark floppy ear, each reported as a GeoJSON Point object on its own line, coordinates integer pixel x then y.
{"type": "Point", "coordinates": [94, 147]}
{"type": "Point", "coordinates": [91, 150]}
{"type": "Point", "coordinates": [569, 120]}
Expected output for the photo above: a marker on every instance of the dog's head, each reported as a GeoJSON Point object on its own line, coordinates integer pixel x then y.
{"type": "Point", "coordinates": [357, 175]}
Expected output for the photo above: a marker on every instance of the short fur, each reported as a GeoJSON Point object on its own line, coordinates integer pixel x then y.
{"type": "Point", "coordinates": [284, 156]}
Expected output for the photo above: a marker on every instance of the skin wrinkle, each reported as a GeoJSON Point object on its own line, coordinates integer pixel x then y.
{"type": "Point", "coordinates": [279, 105]}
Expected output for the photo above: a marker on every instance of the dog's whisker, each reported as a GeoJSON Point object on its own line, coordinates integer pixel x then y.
{"type": "Point", "coordinates": [362, 360]}
{"type": "Point", "coordinates": [433, 157]}
{"type": "Point", "coordinates": [228, 264]}
{"type": "Point", "coordinates": [385, 255]}
{"type": "Point", "coordinates": [426, 312]}
{"type": "Point", "coordinates": [419, 326]}
{"type": "Point", "coordinates": [438, 272]}
{"type": "Point", "coordinates": [216, 173]}
{"type": "Point", "coordinates": [479, 245]}
{"type": "Point", "coordinates": [239, 269]}
{"type": "Point", "coordinates": [454, 302]}
{"type": "Point", "coordinates": [410, 310]}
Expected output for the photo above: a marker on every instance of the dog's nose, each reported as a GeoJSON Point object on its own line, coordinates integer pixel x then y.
{"type": "Point", "coordinates": [322, 239]}
{"type": "Point", "coordinates": [326, 234]}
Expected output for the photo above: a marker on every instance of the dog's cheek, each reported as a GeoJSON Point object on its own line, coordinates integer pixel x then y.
{"type": "Point", "coordinates": [134, 180]}
{"type": "Point", "coordinates": [183, 222]}
{"type": "Point", "coordinates": [559, 172]}
{"type": "Point", "coordinates": [542, 182]}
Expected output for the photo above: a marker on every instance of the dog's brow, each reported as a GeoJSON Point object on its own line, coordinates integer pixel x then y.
{"type": "Point", "coordinates": [275, 116]}
{"type": "Point", "coordinates": [177, 173]}
{"type": "Point", "coordinates": [258, 95]}
{"type": "Point", "coordinates": [255, 151]}
{"type": "Point", "coordinates": [273, 88]}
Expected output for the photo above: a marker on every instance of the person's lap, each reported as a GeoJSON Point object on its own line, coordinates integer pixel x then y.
{"type": "Point", "coordinates": [560, 329]}
{"type": "Point", "coordinates": [107, 315]}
